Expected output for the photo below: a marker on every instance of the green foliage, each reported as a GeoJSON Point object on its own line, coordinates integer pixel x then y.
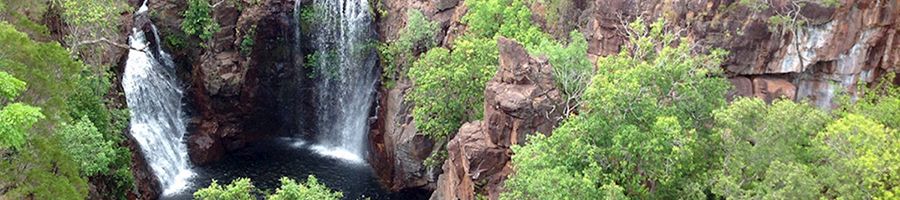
{"type": "Point", "coordinates": [239, 189]}
{"type": "Point", "coordinates": [752, 134]}
{"type": "Point", "coordinates": [862, 157]}
{"type": "Point", "coordinates": [15, 121]}
{"type": "Point", "coordinates": [642, 127]}
{"type": "Point", "coordinates": [448, 86]}
{"type": "Point", "coordinates": [396, 55]}
{"type": "Point", "coordinates": [198, 20]}
{"type": "Point", "coordinates": [63, 89]}
{"type": "Point", "coordinates": [41, 171]}
{"type": "Point", "coordinates": [16, 118]}
{"type": "Point", "coordinates": [572, 70]}
{"type": "Point", "coordinates": [48, 69]}
{"type": "Point", "coordinates": [312, 190]}
{"type": "Point", "coordinates": [508, 18]}
{"type": "Point", "coordinates": [880, 103]}
{"type": "Point", "coordinates": [86, 145]}
{"type": "Point", "coordinates": [98, 13]}
{"type": "Point", "coordinates": [10, 87]}
{"type": "Point", "coordinates": [308, 16]}
{"type": "Point", "coordinates": [248, 40]}
{"type": "Point", "coordinates": [242, 189]}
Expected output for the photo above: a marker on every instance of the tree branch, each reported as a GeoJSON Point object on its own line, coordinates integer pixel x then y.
{"type": "Point", "coordinates": [104, 40]}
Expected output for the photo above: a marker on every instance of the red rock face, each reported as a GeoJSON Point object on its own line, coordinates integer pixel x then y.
{"type": "Point", "coordinates": [520, 100]}
{"type": "Point", "coordinates": [398, 150]}
{"type": "Point", "coordinates": [837, 46]}
{"type": "Point", "coordinates": [233, 93]}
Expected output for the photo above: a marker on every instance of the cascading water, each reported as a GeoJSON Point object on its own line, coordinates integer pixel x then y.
{"type": "Point", "coordinates": [345, 76]}
{"type": "Point", "coordinates": [157, 120]}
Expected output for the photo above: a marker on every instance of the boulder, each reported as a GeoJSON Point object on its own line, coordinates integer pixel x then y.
{"type": "Point", "coordinates": [520, 100]}
{"type": "Point", "coordinates": [771, 88]}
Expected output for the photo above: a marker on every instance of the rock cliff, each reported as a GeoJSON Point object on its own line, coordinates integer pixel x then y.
{"type": "Point", "coordinates": [238, 90]}
{"type": "Point", "coordinates": [520, 100]}
{"type": "Point", "coordinates": [834, 49]}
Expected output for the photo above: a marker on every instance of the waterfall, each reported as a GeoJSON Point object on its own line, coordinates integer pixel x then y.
{"type": "Point", "coordinates": [157, 120]}
{"type": "Point", "coordinates": [345, 76]}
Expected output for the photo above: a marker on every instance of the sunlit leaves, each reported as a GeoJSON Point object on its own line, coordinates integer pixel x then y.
{"type": "Point", "coordinates": [198, 19]}
{"type": "Point", "coordinates": [87, 146]}
{"type": "Point", "coordinates": [239, 189]}
{"type": "Point", "coordinates": [646, 113]}
{"type": "Point", "coordinates": [311, 190]}
{"type": "Point", "coordinates": [15, 120]}
{"type": "Point", "coordinates": [243, 189]}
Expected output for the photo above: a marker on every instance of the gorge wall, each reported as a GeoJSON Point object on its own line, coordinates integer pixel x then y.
{"type": "Point", "coordinates": [834, 51]}
{"type": "Point", "coordinates": [241, 93]}
{"type": "Point", "coordinates": [239, 90]}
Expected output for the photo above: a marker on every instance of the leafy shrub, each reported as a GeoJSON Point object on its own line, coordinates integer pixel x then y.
{"type": "Point", "coordinates": [87, 146]}
{"type": "Point", "coordinates": [242, 189]}
{"type": "Point", "coordinates": [572, 70]}
{"type": "Point", "coordinates": [396, 55]}
{"type": "Point", "coordinates": [861, 158]}
{"type": "Point", "coordinates": [642, 126]}
{"type": "Point", "coordinates": [312, 190]}
{"type": "Point", "coordinates": [239, 189]}
{"type": "Point", "coordinates": [448, 86]}
{"type": "Point", "coordinates": [752, 133]}
{"type": "Point", "coordinates": [198, 19]}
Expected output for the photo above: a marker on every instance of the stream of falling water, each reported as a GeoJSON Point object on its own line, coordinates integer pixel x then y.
{"type": "Point", "coordinates": [157, 120]}
{"type": "Point", "coordinates": [346, 77]}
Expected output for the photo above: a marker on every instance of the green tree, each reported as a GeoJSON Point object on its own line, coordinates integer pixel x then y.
{"type": "Point", "coordinates": [87, 146]}
{"type": "Point", "coordinates": [92, 29]}
{"type": "Point", "coordinates": [311, 190]}
{"type": "Point", "coordinates": [198, 19]}
{"type": "Point", "coordinates": [572, 70]}
{"type": "Point", "coordinates": [41, 170]}
{"type": "Point", "coordinates": [417, 36]}
{"type": "Point", "coordinates": [861, 157]}
{"type": "Point", "coordinates": [238, 189]}
{"type": "Point", "coordinates": [766, 150]}
{"type": "Point", "coordinates": [642, 127]}
{"type": "Point", "coordinates": [448, 85]}
{"type": "Point", "coordinates": [16, 118]}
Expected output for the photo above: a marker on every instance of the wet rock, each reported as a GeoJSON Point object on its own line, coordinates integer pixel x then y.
{"type": "Point", "coordinates": [520, 100]}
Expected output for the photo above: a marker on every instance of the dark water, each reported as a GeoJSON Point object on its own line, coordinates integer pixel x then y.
{"type": "Point", "coordinates": [265, 162]}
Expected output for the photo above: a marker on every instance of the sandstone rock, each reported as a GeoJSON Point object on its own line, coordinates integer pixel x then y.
{"type": "Point", "coordinates": [842, 44]}
{"type": "Point", "coordinates": [770, 88]}
{"type": "Point", "coordinates": [398, 151]}
{"type": "Point", "coordinates": [743, 87]}
{"type": "Point", "coordinates": [520, 100]}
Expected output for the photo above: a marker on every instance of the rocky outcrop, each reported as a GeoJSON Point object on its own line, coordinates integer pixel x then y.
{"type": "Point", "coordinates": [398, 150]}
{"type": "Point", "coordinates": [835, 49]}
{"type": "Point", "coordinates": [520, 100]}
{"type": "Point", "coordinates": [238, 90]}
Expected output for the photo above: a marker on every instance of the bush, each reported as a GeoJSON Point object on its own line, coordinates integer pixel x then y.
{"type": "Point", "coordinates": [87, 146]}
{"type": "Point", "coordinates": [242, 189]}
{"type": "Point", "coordinates": [572, 70]}
{"type": "Point", "coordinates": [448, 86]}
{"type": "Point", "coordinates": [312, 190]}
{"type": "Point", "coordinates": [752, 133]}
{"type": "Point", "coordinates": [396, 55]}
{"type": "Point", "coordinates": [198, 19]}
{"type": "Point", "coordinates": [642, 127]}
{"type": "Point", "coordinates": [239, 189]}
{"type": "Point", "coordinates": [861, 157]}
